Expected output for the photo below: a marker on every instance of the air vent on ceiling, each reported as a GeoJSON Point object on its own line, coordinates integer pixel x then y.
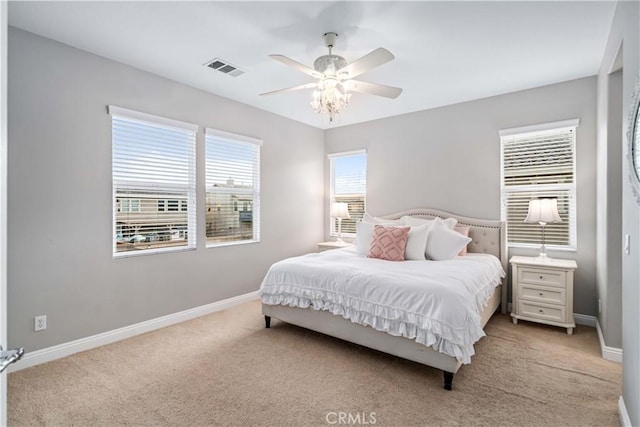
{"type": "Point", "coordinates": [224, 67]}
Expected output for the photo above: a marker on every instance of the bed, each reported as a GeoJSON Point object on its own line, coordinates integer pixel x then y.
{"type": "Point", "coordinates": [325, 315]}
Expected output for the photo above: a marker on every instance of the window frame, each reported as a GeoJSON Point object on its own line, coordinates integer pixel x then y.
{"type": "Point", "coordinates": [190, 190]}
{"type": "Point", "coordinates": [129, 208]}
{"type": "Point", "coordinates": [255, 191]}
{"type": "Point", "coordinates": [333, 232]}
{"type": "Point", "coordinates": [571, 188]}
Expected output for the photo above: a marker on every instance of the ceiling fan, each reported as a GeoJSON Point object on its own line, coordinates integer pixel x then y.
{"type": "Point", "coordinates": [335, 78]}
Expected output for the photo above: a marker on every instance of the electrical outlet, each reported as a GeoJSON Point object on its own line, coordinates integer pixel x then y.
{"type": "Point", "coordinates": [40, 323]}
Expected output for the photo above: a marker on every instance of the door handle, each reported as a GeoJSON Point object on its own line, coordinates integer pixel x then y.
{"type": "Point", "coordinates": [7, 357]}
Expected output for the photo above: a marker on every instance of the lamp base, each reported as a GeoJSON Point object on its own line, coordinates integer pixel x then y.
{"type": "Point", "coordinates": [339, 239]}
{"type": "Point", "coordinates": [543, 249]}
{"type": "Point", "coordinates": [543, 257]}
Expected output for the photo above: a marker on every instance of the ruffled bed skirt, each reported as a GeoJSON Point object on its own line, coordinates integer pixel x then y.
{"type": "Point", "coordinates": [455, 342]}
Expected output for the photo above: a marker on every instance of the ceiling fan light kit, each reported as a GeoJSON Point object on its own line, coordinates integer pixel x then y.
{"type": "Point", "coordinates": [328, 99]}
{"type": "Point", "coordinates": [331, 93]}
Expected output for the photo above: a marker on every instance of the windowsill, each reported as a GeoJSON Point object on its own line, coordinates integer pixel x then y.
{"type": "Point", "coordinates": [219, 245]}
{"type": "Point", "coordinates": [348, 238]}
{"type": "Point", "coordinates": [146, 252]}
{"type": "Point", "coordinates": [548, 248]}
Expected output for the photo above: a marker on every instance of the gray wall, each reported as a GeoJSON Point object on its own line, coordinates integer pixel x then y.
{"type": "Point", "coordinates": [60, 203]}
{"type": "Point", "coordinates": [624, 30]}
{"type": "Point", "coordinates": [449, 158]}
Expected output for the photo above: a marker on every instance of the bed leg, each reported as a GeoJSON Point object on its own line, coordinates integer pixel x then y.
{"type": "Point", "coordinates": [448, 380]}
{"type": "Point", "coordinates": [267, 321]}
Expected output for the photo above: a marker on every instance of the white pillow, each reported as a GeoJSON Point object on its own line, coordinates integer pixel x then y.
{"type": "Point", "coordinates": [364, 236]}
{"type": "Point", "coordinates": [444, 243]}
{"type": "Point", "coordinates": [416, 241]}
{"type": "Point", "coordinates": [381, 221]}
{"type": "Point", "coordinates": [412, 221]}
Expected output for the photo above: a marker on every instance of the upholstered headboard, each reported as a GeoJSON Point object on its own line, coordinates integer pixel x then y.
{"type": "Point", "coordinates": [487, 236]}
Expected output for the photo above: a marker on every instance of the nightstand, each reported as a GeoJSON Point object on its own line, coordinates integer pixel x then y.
{"type": "Point", "coordinates": [543, 291]}
{"type": "Point", "coordinates": [326, 246]}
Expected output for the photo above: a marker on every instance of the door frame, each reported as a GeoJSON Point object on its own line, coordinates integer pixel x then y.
{"type": "Point", "coordinates": [3, 201]}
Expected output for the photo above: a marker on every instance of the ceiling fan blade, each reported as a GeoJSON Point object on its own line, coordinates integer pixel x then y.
{"type": "Point", "coordinates": [362, 65]}
{"type": "Point", "coordinates": [295, 64]}
{"type": "Point", "coordinates": [291, 89]}
{"type": "Point", "coordinates": [374, 89]}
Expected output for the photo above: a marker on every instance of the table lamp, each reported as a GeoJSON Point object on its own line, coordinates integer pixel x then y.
{"type": "Point", "coordinates": [340, 211]}
{"type": "Point", "coordinates": [543, 212]}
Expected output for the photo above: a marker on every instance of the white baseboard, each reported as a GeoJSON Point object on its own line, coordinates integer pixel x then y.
{"type": "Point", "coordinates": [83, 344]}
{"type": "Point", "coordinates": [612, 354]}
{"type": "Point", "coordinates": [62, 350]}
{"type": "Point", "coordinates": [585, 320]}
{"type": "Point", "coordinates": [624, 415]}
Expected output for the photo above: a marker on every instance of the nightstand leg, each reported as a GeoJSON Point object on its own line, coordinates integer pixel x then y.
{"type": "Point", "coordinates": [569, 331]}
{"type": "Point", "coordinates": [515, 321]}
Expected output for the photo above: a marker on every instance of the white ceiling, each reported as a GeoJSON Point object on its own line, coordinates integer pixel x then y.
{"type": "Point", "coordinates": [446, 52]}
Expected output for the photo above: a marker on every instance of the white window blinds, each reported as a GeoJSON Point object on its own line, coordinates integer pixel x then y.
{"type": "Point", "coordinates": [348, 185]}
{"type": "Point", "coordinates": [233, 188]}
{"type": "Point", "coordinates": [153, 183]}
{"type": "Point", "coordinates": [539, 162]}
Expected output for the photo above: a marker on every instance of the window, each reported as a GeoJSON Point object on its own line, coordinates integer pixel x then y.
{"type": "Point", "coordinates": [348, 185]}
{"type": "Point", "coordinates": [129, 205]}
{"type": "Point", "coordinates": [233, 188]}
{"type": "Point", "coordinates": [539, 162]}
{"type": "Point", "coordinates": [153, 183]}
{"type": "Point", "coordinates": [172, 205]}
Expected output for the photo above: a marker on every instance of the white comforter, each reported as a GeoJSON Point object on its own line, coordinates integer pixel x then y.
{"type": "Point", "coordinates": [437, 303]}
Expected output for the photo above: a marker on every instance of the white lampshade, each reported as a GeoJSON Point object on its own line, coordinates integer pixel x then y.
{"type": "Point", "coordinates": [543, 211]}
{"type": "Point", "coordinates": [340, 210]}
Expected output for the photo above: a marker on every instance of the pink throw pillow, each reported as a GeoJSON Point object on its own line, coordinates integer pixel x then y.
{"type": "Point", "coordinates": [465, 232]}
{"type": "Point", "coordinates": [389, 243]}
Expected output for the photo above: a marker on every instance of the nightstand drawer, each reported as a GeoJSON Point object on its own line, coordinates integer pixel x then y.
{"type": "Point", "coordinates": [544, 312]}
{"type": "Point", "coordinates": [542, 276]}
{"type": "Point", "coordinates": [542, 294]}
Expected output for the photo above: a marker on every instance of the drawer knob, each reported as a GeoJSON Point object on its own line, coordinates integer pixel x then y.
{"type": "Point", "coordinates": [541, 311]}
{"type": "Point", "coordinates": [540, 277]}
{"type": "Point", "coordinates": [541, 294]}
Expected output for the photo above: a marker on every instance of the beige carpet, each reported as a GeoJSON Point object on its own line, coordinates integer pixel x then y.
{"type": "Point", "coordinates": [226, 369]}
